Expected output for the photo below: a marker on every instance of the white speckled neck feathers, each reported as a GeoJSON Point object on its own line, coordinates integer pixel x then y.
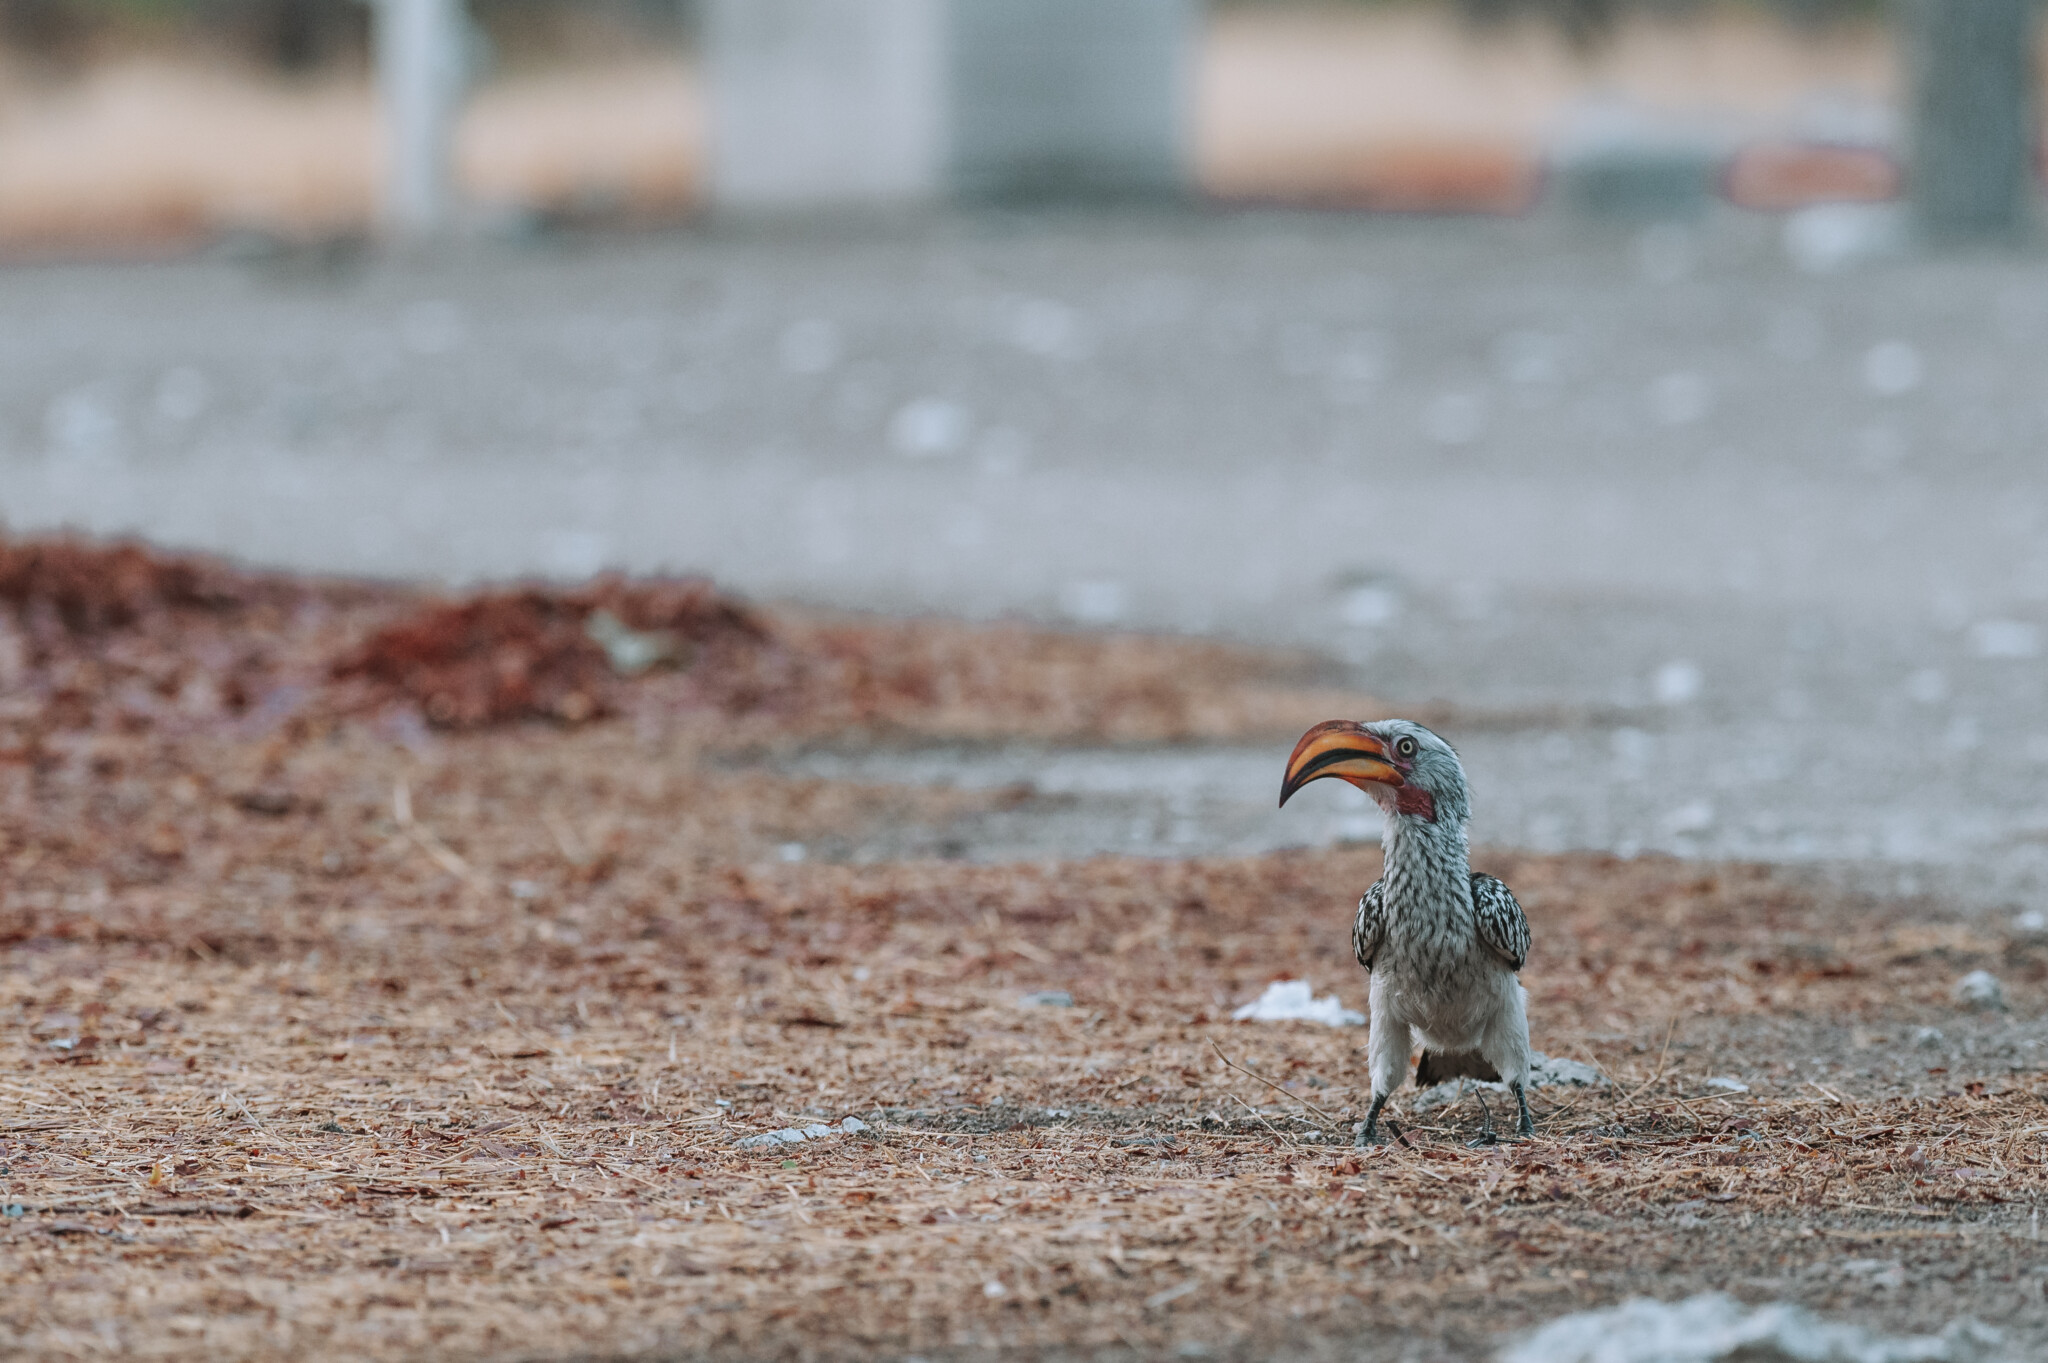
{"type": "Point", "coordinates": [1428, 897]}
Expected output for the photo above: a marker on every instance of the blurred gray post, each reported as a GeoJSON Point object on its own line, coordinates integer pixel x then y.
{"type": "Point", "coordinates": [1071, 98]}
{"type": "Point", "coordinates": [420, 74]}
{"type": "Point", "coordinates": [1972, 168]}
{"type": "Point", "coordinates": [823, 102]}
{"type": "Point", "coordinates": [816, 103]}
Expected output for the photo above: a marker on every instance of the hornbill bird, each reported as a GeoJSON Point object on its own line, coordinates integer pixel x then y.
{"type": "Point", "coordinates": [1441, 941]}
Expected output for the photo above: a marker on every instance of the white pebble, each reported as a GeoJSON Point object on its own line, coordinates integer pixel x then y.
{"type": "Point", "coordinates": [2005, 639]}
{"type": "Point", "coordinates": [1678, 682]}
{"type": "Point", "coordinates": [1980, 989]}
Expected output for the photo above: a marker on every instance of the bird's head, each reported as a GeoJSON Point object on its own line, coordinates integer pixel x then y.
{"type": "Point", "coordinates": [1404, 767]}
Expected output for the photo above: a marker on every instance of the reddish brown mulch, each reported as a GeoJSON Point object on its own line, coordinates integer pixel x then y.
{"type": "Point", "coordinates": [118, 637]}
{"type": "Point", "coordinates": [449, 1057]}
{"type": "Point", "coordinates": [121, 637]}
{"type": "Point", "coordinates": [533, 654]}
{"type": "Point", "coordinates": [89, 589]}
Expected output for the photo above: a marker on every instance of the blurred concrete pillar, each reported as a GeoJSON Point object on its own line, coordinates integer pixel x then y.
{"type": "Point", "coordinates": [1071, 98]}
{"type": "Point", "coordinates": [421, 70]}
{"type": "Point", "coordinates": [824, 102]}
{"type": "Point", "coordinates": [1971, 164]}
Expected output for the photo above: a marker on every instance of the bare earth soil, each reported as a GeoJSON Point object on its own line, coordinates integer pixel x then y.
{"type": "Point", "coordinates": [328, 1031]}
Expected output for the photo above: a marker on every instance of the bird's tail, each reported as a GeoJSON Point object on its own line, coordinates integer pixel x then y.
{"type": "Point", "coordinates": [1437, 1066]}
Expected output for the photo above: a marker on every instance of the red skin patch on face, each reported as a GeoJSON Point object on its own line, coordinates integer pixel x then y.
{"type": "Point", "coordinates": [1412, 800]}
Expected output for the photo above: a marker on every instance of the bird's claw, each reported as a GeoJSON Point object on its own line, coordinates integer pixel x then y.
{"type": "Point", "coordinates": [1369, 1129]}
{"type": "Point", "coordinates": [1482, 1140]}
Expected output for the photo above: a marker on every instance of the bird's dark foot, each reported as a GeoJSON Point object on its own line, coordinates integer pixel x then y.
{"type": "Point", "coordinates": [1527, 1126]}
{"type": "Point", "coordinates": [1486, 1135]}
{"type": "Point", "coordinates": [1369, 1129]}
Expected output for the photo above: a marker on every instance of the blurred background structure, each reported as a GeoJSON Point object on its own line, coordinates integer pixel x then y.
{"type": "Point", "coordinates": [1975, 146]}
{"type": "Point", "coordinates": [1624, 400]}
{"type": "Point", "coordinates": [161, 121]}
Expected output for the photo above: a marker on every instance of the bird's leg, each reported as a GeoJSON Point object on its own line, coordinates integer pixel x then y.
{"type": "Point", "coordinates": [1486, 1133]}
{"type": "Point", "coordinates": [1369, 1134]}
{"type": "Point", "coordinates": [1528, 1125]}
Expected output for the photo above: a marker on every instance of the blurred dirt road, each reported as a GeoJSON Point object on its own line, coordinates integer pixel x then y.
{"type": "Point", "coordinates": [1716, 556]}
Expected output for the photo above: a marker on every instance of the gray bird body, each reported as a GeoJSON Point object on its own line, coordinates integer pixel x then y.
{"type": "Point", "coordinates": [1443, 944]}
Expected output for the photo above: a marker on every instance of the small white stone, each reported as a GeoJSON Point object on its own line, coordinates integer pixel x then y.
{"type": "Point", "coordinates": [1551, 1070]}
{"type": "Point", "coordinates": [1370, 605]}
{"type": "Point", "coordinates": [1980, 989]}
{"type": "Point", "coordinates": [1295, 1001]}
{"type": "Point", "coordinates": [1678, 683]}
{"type": "Point", "coordinates": [1830, 237]}
{"type": "Point", "coordinates": [2005, 639]}
{"type": "Point", "coordinates": [930, 428]}
{"type": "Point", "coordinates": [1695, 816]}
{"type": "Point", "coordinates": [1094, 602]}
{"type": "Point", "coordinates": [853, 1124]}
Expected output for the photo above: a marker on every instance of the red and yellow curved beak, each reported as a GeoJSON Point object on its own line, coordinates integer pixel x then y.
{"type": "Point", "coordinates": [1343, 749]}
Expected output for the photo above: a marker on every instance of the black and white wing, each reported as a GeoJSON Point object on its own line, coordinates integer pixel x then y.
{"type": "Point", "coordinates": [1502, 925]}
{"type": "Point", "coordinates": [1367, 931]}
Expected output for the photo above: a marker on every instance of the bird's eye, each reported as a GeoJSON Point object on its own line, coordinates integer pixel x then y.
{"type": "Point", "coordinates": [1405, 746]}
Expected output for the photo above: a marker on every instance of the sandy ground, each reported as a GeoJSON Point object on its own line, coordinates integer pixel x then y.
{"type": "Point", "coordinates": [1392, 105]}
{"type": "Point", "coordinates": [327, 1029]}
{"type": "Point", "coordinates": [318, 1043]}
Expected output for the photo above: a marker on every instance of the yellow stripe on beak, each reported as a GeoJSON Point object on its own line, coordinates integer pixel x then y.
{"type": "Point", "coordinates": [1343, 749]}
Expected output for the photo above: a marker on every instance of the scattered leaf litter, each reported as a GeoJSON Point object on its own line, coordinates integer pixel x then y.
{"type": "Point", "coordinates": [301, 1076]}
{"type": "Point", "coordinates": [469, 1081]}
